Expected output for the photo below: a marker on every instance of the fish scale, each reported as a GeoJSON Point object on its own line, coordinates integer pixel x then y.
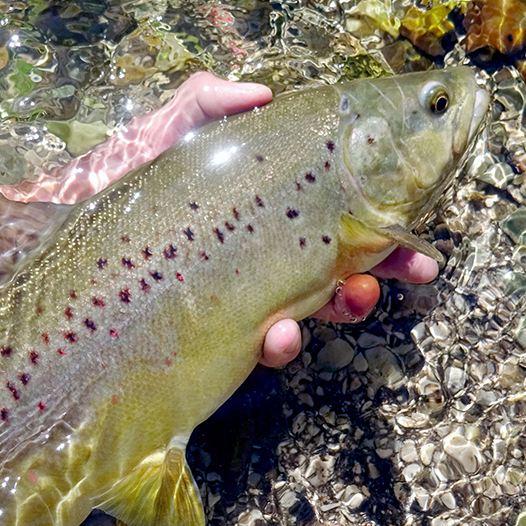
{"type": "Point", "coordinates": [149, 307]}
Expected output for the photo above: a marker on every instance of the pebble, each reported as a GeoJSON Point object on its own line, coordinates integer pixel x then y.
{"type": "Point", "coordinates": [464, 452]}
{"type": "Point", "coordinates": [335, 355]}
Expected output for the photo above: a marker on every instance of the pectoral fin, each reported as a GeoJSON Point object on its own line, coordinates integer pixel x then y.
{"type": "Point", "coordinates": [160, 491]}
{"type": "Point", "coordinates": [406, 239]}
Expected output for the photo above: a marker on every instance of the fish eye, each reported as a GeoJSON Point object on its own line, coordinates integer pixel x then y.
{"type": "Point", "coordinates": [439, 103]}
{"type": "Point", "coordinates": [434, 97]}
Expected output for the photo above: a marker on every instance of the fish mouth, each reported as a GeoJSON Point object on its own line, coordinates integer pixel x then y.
{"type": "Point", "coordinates": [480, 108]}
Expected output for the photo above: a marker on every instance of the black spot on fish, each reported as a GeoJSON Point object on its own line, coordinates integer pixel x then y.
{"type": "Point", "coordinates": [330, 146]}
{"type": "Point", "coordinates": [203, 256]}
{"type": "Point", "coordinates": [34, 357]}
{"type": "Point", "coordinates": [344, 104]}
{"type": "Point", "coordinates": [72, 294]}
{"type": "Point", "coordinates": [250, 228]}
{"type": "Point", "coordinates": [236, 213]}
{"type": "Point", "coordinates": [125, 239]}
{"type": "Point", "coordinates": [310, 177]}
{"type": "Point", "coordinates": [170, 252]}
{"type": "Point", "coordinates": [68, 312]}
{"type": "Point", "coordinates": [24, 378]}
{"type": "Point", "coordinates": [326, 239]}
{"type": "Point", "coordinates": [194, 206]}
{"type": "Point", "coordinates": [370, 140]}
{"type": "Point", "coordinates": [45, 338]}
{"type": "Point", "coordinates": [327, 166]}
{"type": "Point", "coordinates": [509, 37]}
{"type": "Point", "coordinates": [259, 158]}
{"type": "Point", "coordinates": [291, 214]}
{"type": "Point", "coordinates": [146, 252]}
{"type": "Point", "coordinates": [6, 352]}
{"type": "Point", "coordinates": [4, 414]}
{"type": "Point", "coordinates": [259, 201]}
{"type": "Point", "coordinates": [71, 337]}
{"type": "Point", "coordinates": [41, 406]}
{"type": "Point", "coordinates": [189, 233]}
{"type": "Point", "coordinates": [220, 235]}
{"type": "Point", "coordinates": [38, 310]}
{"type": "Point", "coordinates": [128, 263]}
{"type": "Point", "coordinates": [101, 263]}
{"type": "Point", "coordinates": [145, 286]}
{"type": "Point", "coordinates": [13, 389]}
{"type": "Point", "coordinates": [157, 276]}
{"type": "Point", "coordinates": [114, 333]}
{"type": "Point", "coordinates": [125, 295]}
{"type": "Point", "coordinates": [229, 227]}
{"type": "Point", "coordinates": [98, 302]}
{"type": "Point", "coordinates": [90, 324]}
{"type": "Point", "coordinates": [303, 242]}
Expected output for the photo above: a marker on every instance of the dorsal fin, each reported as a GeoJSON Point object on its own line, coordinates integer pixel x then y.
{"type": "Point", "coordinates": [24, 228]}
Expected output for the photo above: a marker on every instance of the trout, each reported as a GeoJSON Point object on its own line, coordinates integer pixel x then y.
{"type": "Point", "coordinates": [139, 316]}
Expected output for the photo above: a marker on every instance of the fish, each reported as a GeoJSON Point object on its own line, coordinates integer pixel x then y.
{"type": "Point", "coordinates": [136, 318]}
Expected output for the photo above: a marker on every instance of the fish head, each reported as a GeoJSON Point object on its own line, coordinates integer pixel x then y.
{"type": "Point", "coordinates": [402, 145]}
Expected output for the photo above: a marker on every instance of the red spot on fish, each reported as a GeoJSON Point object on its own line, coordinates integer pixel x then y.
{"type": "Point", "coordinates": [32, 477]}
{"type": "Point", "coordinates": [174, 354]}
{"type": "Point", "coordinates": [326, 239]}
{"type": "Point", "coordinates": [72, 294]}
{"type": "Point", "coordinates": [168, 362]}
{"type": "Point", "coordinates": [125, 295]}
{"type": "Point", "coordinates": [220, 235]}
{"type": "Point", "coordinates": [115, 399]}
{"type": "Point", "coordinates": [24, 378]}
{"type": "Point", "coordinates": [179, 276]}
{"type": "Point", "coordinates": [68, 312]}
{"type": "Point", "coordinates": [259, 201]}
{"type": "Point", "coordinates": [194, 206]}
{"type": "Point", "coordinates": [299, 188]}
{"type": "Point", "coordinates": [71, 337]}
{"type": "Point", "coordinates": [330, 146]}
{"type": "Point", "coordinates": [92, 281]}
{"type": "Point", "coordinates": [13, 389]}
{"type": "Point", "coordinates": [170, 252]}
{"type": "Point", "coordinates": [6, 352]}
{"type": "Point", "coordinates": [250, 228]}
{"type": "Point", "coordinates": [237, 271]}
{"type": "Point", "coordinates": [98, 302]}
{"type": "Point", "coordinates": [144, 286]}
{"type": "Point", "coordinates": [291, 214]}
{"type": "Point", "coordinates": [157, 276]}
{"type": "Point", "coordinates": [4, 414]}
{"type": "Point", "coordinates": [114, 333]}
{"type": "Point", "coordinates": [236, 213]}
{"type": "Point", "coordinates": [38, 310]}
{"type": "Point", "coordinates": [189, 233]}
{"type": "Point", "coordinates": [101, 263]}
{"type": "Point", "coordinates": [90, 324]}
{"type": "Point", "coordinates": [62, 351]}
{"type": "Point", "coordinates": [45, 338]}
{"type": "Point", "coordinates": [128, 263]}
{"type": "Point", "coordinates": [125, 239]}
{"type": "Point", "coordinates": [34, 357]}
{"type": "Point", "coordinates": [303, 242]}
{"type": "Point", "coordinates": [203, 256]}
{"type": "Point", "coordinates": [310, 177]}
{"type": "Point", "coordinates": [230, 227]}
{"type": "Point", "coordinates": [147, 253]}
{"type": "Point", "coordinates": [41, 406]}
{"type": "Point", "coordinates": [327, 166]}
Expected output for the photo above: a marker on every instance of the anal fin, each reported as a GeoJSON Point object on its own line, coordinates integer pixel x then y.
{"type": "Point", "coordinates": [160, 491]}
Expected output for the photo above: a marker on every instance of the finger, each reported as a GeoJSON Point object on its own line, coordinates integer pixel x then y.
{"type": "Point", "coordinates": [282, 344]}
{"type": "Point", "coordinates": [406, 265]}
{"type": "Point", "coordinates": [353, 302]}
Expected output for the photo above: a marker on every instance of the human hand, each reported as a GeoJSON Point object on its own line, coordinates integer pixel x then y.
{"type": "Point", "coordinates": [201, 99]}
